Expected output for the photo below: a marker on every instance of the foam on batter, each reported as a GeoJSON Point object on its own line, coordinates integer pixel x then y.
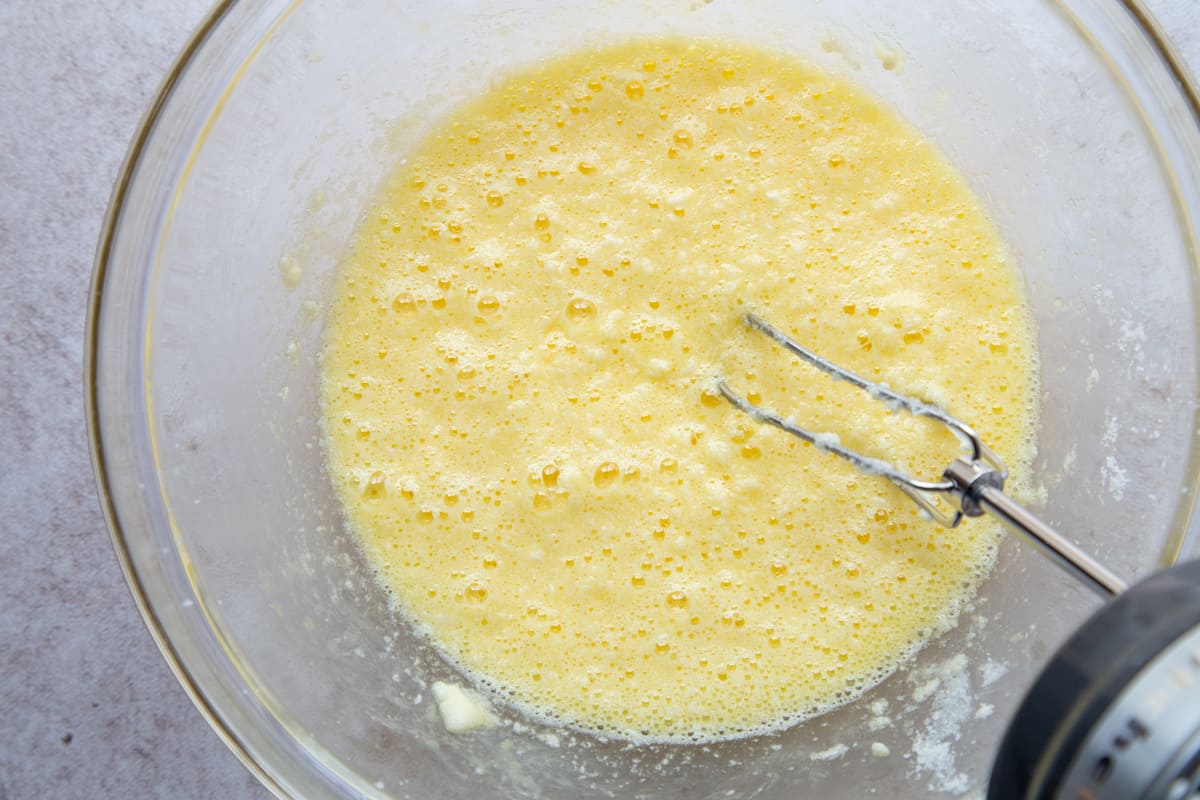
{"type": "Point", "coordinates": [518, 388]}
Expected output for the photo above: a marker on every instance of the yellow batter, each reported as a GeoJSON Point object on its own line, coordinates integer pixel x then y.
{"type": "Point", "coordinates": [517, 387]}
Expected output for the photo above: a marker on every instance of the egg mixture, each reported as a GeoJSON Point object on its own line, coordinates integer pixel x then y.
{"type": "Point", "coordinates": [518, 387]}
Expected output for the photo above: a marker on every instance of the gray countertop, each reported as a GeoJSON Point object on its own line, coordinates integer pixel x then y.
{"type": "Point", "coordinates": [88, 708]}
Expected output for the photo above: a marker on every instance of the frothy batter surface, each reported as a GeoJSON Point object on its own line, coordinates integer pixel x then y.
{"type": "Point", "coordinates": [517, 387]}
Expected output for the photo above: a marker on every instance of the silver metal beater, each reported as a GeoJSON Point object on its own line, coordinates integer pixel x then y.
{"type": "Point", "coordinates": [971, 484]}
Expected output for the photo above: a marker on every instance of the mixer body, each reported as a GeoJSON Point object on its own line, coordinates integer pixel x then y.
{"type": "Point", "coordinates": [1116, 712]}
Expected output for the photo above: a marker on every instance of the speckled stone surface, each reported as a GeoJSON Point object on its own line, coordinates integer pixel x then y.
{"type": "Point", "coordinates": [88, 708]}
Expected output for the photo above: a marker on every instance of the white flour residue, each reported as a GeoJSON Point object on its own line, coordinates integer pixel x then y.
{"type": "Point", "coordinates": [889, 57]}
{"type": "Point", "coordinates": [1114, 477]}
{"type": "Point", "coordinates": [1069, 461]}
{"type": "Point", "coordinates": [1112, 429]}
{"type": "Point", "coordinates": [933, 745]}
{"type": "Point", "coordinates": [548, 738]}
{"type": "Point", "coordinates": [837, 751]}
{"type": "Point", "coordinates": [879, 716]}
{"type": "Point", "coordinates": [991, 672]}
{"type": "Point", "coordinates": [1132, 336]}
{"type": "Point", "coordinates": [833, 45]}
{"type": "Point", "coordinates": [461, 709]}
{"type": "Point", "coordinates": [926, 690]}
{"type": "Point", "coordinates": [290, 271]}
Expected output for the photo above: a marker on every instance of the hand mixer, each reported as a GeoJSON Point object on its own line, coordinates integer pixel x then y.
{"type": "Point", "coordinates": [1116, 712]}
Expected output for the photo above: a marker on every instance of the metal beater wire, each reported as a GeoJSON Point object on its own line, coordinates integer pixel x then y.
{"type": "Point", "coordinates": [828, 442]}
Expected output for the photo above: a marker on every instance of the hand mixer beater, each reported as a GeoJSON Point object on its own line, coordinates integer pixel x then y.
{"type": "Point", "coordinates": [1116, 712]}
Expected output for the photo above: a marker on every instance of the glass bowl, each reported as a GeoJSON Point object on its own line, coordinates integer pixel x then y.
{"type": "Point", "coordinates": [1071, 119]}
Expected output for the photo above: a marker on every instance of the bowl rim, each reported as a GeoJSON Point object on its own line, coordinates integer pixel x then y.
{"type": "Point", "coordinates": [134, 155]}
{"type": "Point", "coordinates": [1187, 85]}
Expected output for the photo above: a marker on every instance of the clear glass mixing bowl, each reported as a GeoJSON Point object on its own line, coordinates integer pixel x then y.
{"type": "Point", "coordinates": [1070, 119]}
